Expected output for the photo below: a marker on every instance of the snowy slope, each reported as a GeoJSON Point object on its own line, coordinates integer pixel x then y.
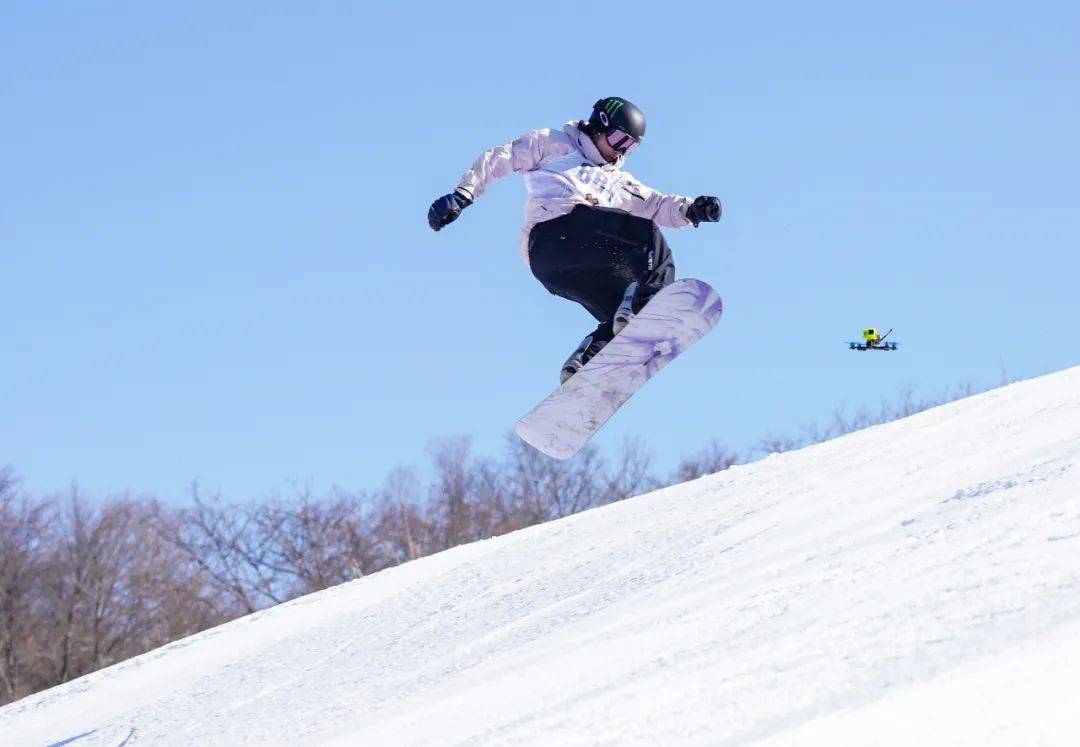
{"type": "Point", "coordinates": [918, 582]}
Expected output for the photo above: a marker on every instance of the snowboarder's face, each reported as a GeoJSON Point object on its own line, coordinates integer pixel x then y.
{"type": "Point", "coordinates": [610, 154]}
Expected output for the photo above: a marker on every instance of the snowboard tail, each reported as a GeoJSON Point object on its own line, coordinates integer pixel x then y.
{"type": "Point", "coordinates": [675, 318]}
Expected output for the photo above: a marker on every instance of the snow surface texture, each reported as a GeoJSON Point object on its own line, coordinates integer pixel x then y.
{"type": "Point", "coordinates": [914, 583]}
{"type": "Point", "coordinates": [676, 317]}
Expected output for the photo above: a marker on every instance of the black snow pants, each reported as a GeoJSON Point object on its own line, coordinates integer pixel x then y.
{"type": "Point", "coordinates": [592, 254]}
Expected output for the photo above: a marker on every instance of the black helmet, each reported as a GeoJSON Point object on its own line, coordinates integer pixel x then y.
{"type": "Point", "coordinates": [613, 113]}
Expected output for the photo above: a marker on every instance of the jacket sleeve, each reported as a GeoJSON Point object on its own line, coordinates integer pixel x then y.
{"type": "Point", "coordinates": [523, 154]}
{"type": "Point", "coordinates": [668, 211]}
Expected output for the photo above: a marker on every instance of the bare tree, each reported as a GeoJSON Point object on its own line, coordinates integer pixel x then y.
{"type": "Point", "coordinates": [109, 589]}
{"type": "Point", "coordinates": [453, 492]}
{"type": "Point", "coordinates": [715, 457]}
{"type": "Point", "coordinates": [533, 488]}
{"type": "Point", "coordinates": [178, 598]}
{"type": "Point", "coordinates": [402, 527]}
{"type": "Point", "coordinates": [631, 474]}
{"type": "Point", "coordinates": [318, 543]}
{"type": "Point", "coordinates": [225, 543]}
{"type": "Point", "coordinates": [22, 534]}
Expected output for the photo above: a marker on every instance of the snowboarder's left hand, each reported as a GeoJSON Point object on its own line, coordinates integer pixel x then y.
{"type": "Point", "coordinates": [704, 209]}
{"type": "Point", "coordinates": [446, 210]}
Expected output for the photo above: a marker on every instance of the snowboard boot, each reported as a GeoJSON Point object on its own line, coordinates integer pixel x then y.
{"type": "Point", "coordinates": [625, 312]}
{"type": "Point", "coordinates": [590, 346]}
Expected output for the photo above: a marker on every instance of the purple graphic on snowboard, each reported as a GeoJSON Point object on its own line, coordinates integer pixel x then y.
{"type": "Point", "coordinates": [674, 319]}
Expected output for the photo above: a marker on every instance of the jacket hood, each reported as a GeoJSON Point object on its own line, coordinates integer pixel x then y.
{"type": "Point", "coordinates": [587, 146]}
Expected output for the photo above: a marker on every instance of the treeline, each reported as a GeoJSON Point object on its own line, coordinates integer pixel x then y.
{"type": "Point", "coordinates": [85, 583]}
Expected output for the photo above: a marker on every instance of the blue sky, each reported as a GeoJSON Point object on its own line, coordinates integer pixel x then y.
{"type": "Point", "coordinates": [215, 263]}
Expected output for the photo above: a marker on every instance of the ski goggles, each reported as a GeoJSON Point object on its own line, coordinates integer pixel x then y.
{"type": "Point", "coordinates": [621, 142]}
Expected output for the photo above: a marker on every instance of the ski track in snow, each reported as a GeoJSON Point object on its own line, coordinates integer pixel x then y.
{"type": "Point", "coordinates": [916, 582]}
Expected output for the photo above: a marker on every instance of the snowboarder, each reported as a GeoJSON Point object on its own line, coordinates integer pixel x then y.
{"type": "Point", "coordinates": [592, 231]}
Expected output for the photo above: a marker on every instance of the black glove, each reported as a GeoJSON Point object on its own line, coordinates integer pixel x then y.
{"type": "Point", "coordinates": [704, 210]}
{"type": "Point", "coordinates": [446, 209]}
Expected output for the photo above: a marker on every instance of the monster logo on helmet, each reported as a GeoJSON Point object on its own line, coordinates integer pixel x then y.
{"type": "Point", "coordinates": [621, 121]}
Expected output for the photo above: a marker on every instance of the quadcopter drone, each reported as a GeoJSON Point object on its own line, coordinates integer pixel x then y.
{"type": "Point", "coordinates": [873, 340]}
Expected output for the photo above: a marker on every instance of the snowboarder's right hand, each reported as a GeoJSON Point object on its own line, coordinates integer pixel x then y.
{"type": "Point", "coordinates": [446, 209]}
{"type": "Point", "coordinates": [704, 209]}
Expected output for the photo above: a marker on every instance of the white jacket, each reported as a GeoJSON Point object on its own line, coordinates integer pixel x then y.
{"type": "Point", "coordinates": [563, 169]}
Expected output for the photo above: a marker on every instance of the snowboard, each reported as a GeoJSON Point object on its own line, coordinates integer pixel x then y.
{"type": "Point", "coordinates": [675, 318]}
